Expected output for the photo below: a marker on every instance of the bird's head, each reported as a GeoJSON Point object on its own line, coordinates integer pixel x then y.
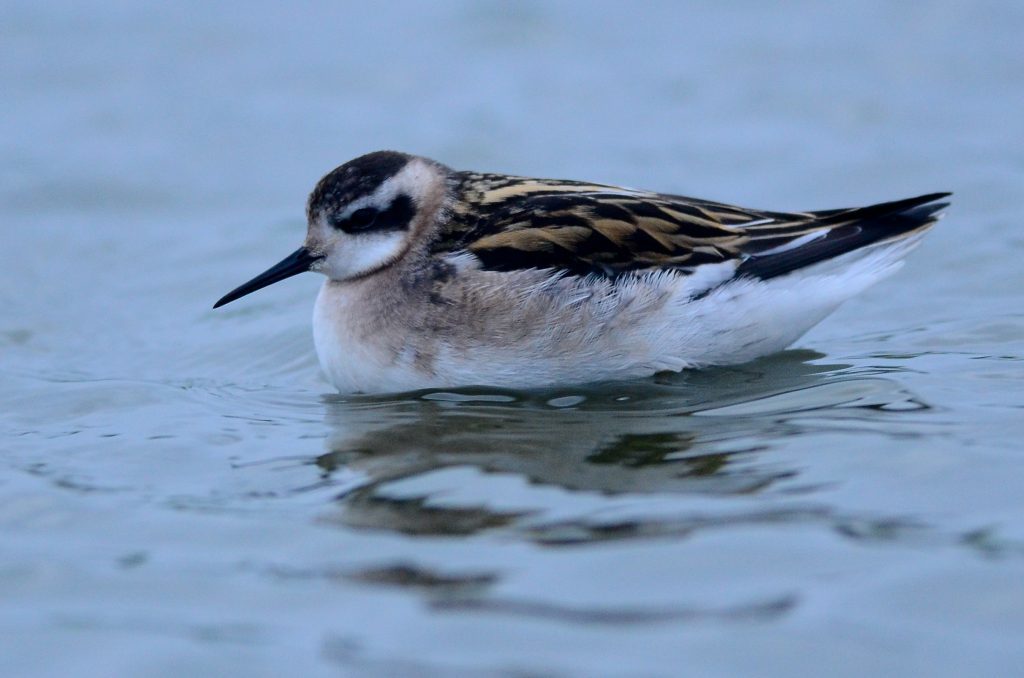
{"type": "Point", "coordinates": [362, 217]}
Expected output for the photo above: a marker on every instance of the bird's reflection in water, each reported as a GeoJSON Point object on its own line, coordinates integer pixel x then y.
{"type": "Point", "coordinates": [700, 433]}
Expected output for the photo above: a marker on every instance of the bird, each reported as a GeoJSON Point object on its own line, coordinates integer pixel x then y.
{"type": "Point", "coordinates": [437, 278]}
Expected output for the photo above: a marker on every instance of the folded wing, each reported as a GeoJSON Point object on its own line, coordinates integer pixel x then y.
{"type": "Point", "coordinates": [511, 223]}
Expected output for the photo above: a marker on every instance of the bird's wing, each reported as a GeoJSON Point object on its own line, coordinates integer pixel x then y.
{"type": "Point", "coordinates": [510, 223]}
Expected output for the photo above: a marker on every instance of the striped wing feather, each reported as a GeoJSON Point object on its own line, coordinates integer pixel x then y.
{"type": "Point", "coordinates": [512, 223]}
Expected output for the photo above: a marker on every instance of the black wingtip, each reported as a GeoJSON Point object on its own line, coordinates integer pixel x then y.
{"type": "Point", "coordinates": [917, 206]}
{"type": "Point", "coordinates": [921, 199]}
{"type": "Point", "coordinates": [848, 230]}
{"type": "Point", "coordinates": [931, 197]}
{"type": "Point", "coordinates": [924, 207]}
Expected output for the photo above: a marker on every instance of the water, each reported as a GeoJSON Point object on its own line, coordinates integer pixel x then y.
{"type": "Point", "coordinates": [182, 494]}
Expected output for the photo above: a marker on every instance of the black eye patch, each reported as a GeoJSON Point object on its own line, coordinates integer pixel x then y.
{"type": "Point", "coordinates": [396, 217]}
{"type": "Point", "coordinates": [363, 218]}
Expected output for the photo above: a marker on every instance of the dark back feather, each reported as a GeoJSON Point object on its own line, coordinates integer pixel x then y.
{"type": "Point", "coordinates": [580, 228]}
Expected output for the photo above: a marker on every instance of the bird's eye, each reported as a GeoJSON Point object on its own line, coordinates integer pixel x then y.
{"type": "Point", "coordinates": [362, 218]}
{"type": "Point", "coordinates": [396, 217]}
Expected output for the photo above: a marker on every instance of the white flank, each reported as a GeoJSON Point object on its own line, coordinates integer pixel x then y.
{"type": "Point", "coordinates": [541, 330]}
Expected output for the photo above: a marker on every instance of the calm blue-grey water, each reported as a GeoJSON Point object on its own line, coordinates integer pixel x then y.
{"type": "Point", "coordinates": [182, 494]}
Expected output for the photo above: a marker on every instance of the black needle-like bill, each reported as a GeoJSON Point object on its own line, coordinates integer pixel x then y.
{"type": "Point", "coordinates": [297, 262]}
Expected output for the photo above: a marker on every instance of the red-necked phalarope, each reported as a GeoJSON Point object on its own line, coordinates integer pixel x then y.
{"type": "Point", "coordinates": [438, 278]}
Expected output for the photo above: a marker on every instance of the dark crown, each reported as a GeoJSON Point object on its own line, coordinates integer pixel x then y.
{"type": "Point", "coordinates": [355, 179]}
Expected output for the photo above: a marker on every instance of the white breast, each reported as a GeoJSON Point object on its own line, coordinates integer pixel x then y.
{"type": "Point", "coordinates": [527, 332]}
{"type": "Point", "coordinates": [352, 357]}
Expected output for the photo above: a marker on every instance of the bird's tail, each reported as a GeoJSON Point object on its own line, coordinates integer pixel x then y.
{"type": "Point", "coordinates": [840, 232]}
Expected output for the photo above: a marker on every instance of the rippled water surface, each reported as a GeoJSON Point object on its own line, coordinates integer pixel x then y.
{"type": "Point", "coordinates": [182, 494]}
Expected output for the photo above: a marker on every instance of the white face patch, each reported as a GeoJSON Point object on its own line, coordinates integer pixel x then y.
{"type": "Point", "coordinates": [351, 256]}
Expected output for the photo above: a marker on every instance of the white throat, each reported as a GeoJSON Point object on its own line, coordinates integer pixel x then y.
{"type": "Point", "coordinates": [365, 253]}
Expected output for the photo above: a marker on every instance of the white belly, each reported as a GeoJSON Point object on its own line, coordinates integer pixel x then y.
{"type": "Point", "coordinates": [352, 361]}
{"type": "Point", "coordinates": [577, 331]}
